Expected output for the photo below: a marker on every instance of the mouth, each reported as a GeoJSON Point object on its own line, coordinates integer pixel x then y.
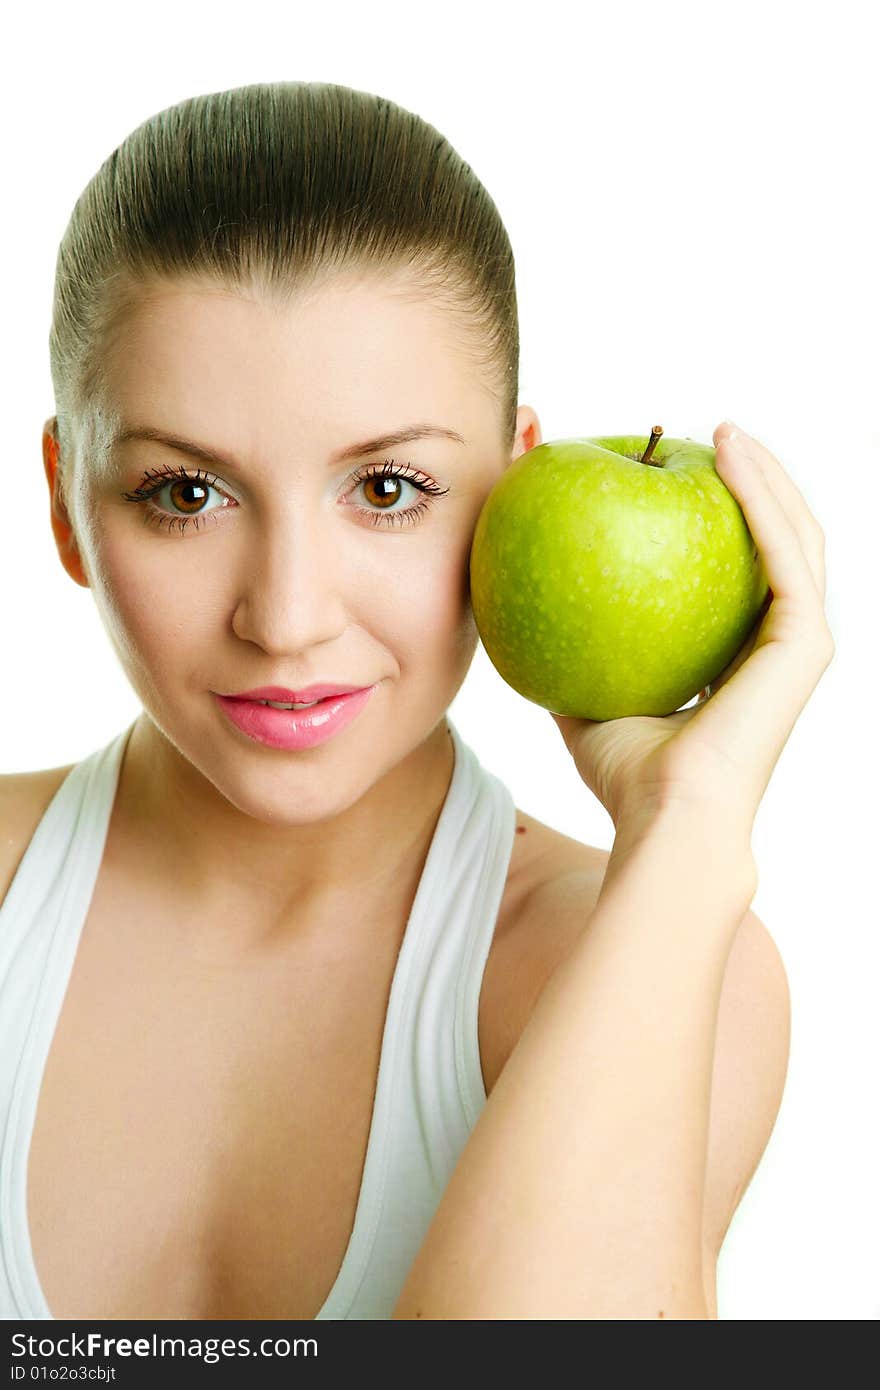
{"type": "Point", "coordinates": [278, 695]}
{"type": "Point", "coordinates": [293, 724]}
{"type": "Point", "coordinates": [280, 704]}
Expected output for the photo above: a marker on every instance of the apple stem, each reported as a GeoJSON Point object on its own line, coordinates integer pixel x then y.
{"type": "Point", "coordinates": [656, 432]}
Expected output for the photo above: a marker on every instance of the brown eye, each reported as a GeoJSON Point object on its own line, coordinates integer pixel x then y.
{"type": "Point", "coordinates": [381, 490]}
{"type": "Point", "coordinates": [187, 495]}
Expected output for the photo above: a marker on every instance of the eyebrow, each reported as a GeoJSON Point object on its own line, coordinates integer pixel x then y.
{"type": "Point", "coordinates": [352, 451]}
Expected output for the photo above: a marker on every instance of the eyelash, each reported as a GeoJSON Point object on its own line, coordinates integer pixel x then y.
{"type": "Point", "coordinates": [155, 516]}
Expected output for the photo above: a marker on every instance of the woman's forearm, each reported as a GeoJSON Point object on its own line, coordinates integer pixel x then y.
{"type": "Point", "coordinates": [579, 1193]}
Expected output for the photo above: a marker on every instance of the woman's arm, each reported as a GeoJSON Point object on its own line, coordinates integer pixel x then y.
{"type": "Point", "coordinates": [579, 1193]}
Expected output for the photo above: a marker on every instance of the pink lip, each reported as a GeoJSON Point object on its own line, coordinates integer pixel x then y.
{"type": "Point", "coordinates": [294, 697]}
{"type": "Point", "coordinates": [283, 728]}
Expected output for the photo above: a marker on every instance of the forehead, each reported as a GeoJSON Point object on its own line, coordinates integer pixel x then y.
{"type": "Point", "coordinates": [348, 354]}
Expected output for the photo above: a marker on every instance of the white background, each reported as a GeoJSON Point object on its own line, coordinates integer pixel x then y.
{"type": "Point", "coordinates": [687, 188]}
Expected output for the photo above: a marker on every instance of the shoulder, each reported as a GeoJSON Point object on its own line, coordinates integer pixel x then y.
{"type": "Point", "coordinates": [554, 883]}
{"type": "Point", "coordinates": [24, 797]}
{"type": "Point", "coordinates": [562, 884]}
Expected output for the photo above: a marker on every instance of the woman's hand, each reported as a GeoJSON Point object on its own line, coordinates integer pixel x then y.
{"type": "Point", "coordinates": [718, 755]}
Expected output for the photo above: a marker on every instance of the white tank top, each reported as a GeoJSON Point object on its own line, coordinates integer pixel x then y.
{"type": "Point", "coordinates": [429, 1091]}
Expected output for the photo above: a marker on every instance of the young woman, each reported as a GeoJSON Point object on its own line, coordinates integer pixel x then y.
{"type": "Point", "coordinates": [300, 1016]}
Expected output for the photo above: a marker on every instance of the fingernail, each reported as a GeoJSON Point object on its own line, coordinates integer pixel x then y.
{"type": "Point", "coordinates": [733, 432]}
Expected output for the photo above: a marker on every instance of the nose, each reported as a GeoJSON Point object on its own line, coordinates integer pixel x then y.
{"type": "Point", "coordinates": [291, 593]}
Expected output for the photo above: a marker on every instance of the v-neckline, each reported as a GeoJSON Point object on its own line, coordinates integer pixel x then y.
{"type": "Point", "coordinates": [89, 841]}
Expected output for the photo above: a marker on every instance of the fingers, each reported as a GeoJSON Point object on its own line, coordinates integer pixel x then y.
{"type": "Point", "coordinates": [788, 551]}
{"type": "Point", "coordinates": [750, 719]}
{"type": "Point", "coordinates": [809, 533]}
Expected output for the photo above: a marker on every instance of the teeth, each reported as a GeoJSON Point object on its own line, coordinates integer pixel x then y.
{"type": "Point", "coordinates": [274, 704]}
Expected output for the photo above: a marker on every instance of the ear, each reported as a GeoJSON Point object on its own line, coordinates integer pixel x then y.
{"type": "Point", "coordinates": [528, 432]}
{"type": "Point", "coordinates": [62, 529]}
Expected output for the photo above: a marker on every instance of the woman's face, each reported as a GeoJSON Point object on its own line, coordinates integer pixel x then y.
{"type": "Point", "coordinates": [286, 565]}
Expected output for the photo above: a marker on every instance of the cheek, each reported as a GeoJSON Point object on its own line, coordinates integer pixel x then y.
{"type": "Point", "coordinates": [429, 620]}
{"type": "Point", "coordinates": [154, 614]}
{"type": "Point", "coordinates": [433, 590]}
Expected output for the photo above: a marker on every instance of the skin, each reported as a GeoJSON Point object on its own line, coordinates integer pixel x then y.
{"type": "Point", "coordinates": [290, 587]}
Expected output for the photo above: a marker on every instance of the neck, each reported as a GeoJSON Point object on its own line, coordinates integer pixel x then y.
{"type": "Point", "coordinates": [225, 873]}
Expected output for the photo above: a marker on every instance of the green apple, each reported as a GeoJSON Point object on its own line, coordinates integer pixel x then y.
{"type": "Point", "coordinates": [613, 576]}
